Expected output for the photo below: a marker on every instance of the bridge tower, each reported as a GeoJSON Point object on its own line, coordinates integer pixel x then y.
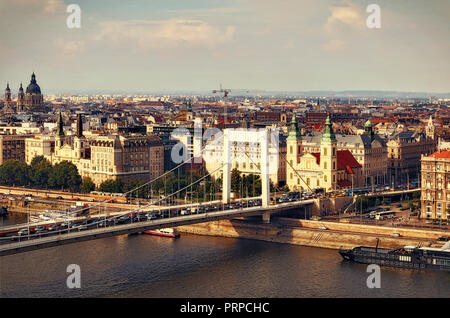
{"type": "Point", "coordinates": [258, 138]}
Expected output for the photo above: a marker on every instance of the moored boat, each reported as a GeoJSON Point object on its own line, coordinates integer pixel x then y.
{"type": "Point", "coordinates": [406, 257]}
{"type": "Point", "coordinates": [167, 232]}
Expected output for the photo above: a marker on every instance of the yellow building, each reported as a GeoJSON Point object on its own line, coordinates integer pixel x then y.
{"type": "Point", "coordinates": [131, 158]}
{"type": "Point", "coordinates": [329, 169]}
{"type": "Point", "coordinates": [435, 198]}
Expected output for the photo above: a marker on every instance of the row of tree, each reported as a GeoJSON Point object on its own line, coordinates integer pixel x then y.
{"type": "Point", "coordinates": [64, 175]}
{"type": "Point", "coordinates": [41, 174]}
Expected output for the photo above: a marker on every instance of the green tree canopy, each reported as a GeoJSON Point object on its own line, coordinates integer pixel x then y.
{"type": "Point", "coordinates": [65, 175]}
{"type": "Point", "coordinates": [87, 185]}
{"type": "Point", "coordinates": [40, 171]}
{"type": "Point", "coordinates": [14, 173]}
{"type": "Point", "coordinates": [113, 186]}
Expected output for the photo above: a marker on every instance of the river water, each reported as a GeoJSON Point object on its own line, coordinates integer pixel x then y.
{"type": "Point", "coordinates": [202, 266]}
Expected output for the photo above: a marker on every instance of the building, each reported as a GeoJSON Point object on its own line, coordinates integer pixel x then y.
{"type": "Point", "coordinates": [435, 198]}
{"type": "Point", "coordinates": [101, 157]}
{"type": "Point", "coordinates": [131, 158]}
{"type": "Point", "coordinates": [31, 100]}
{"type": "Point", "coordinates": [404, 154]}
{"type": "Point", "coordinates": [12, 147]}
{"type": "Point", "coordinates": [369, 150]}
{"type": "Point", "coordinates": [329, 168]}
{"type": "Point", "coordinates": [39, 146]}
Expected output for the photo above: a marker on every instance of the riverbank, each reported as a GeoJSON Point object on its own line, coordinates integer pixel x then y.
{"type": "Point", "coordinates": [307, 233]}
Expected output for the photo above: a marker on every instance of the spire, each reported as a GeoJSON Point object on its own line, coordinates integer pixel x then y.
{"type": "Point", "coordinates": [79, 126]}
{"type": "Point", "coordinates": [368, 129]}
{"type": "Point", "coordinates": [60, 129]}
{"type": "Point", "coordinates": [20, 88]}
{"type": "Point", "coordinates": [33, 78]}
{"type": "Point", "coordinates": [328, 133]}
{"type": "Point", "coordinates": [294, 133]}
{"type": "Point", "coordinates": [7, 86]}
{"type": "Point", "coordinates": [189, 106]}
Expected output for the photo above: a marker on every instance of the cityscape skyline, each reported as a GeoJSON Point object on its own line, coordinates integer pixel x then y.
{"type": "Point", "coordinates": [195, 46]}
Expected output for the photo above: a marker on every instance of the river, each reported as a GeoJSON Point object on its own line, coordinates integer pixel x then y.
{"type": "Point", "coordinates": [202, 266]}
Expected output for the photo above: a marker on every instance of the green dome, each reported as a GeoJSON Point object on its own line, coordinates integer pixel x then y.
{"type": "Point", "coordinates": [328, 133]}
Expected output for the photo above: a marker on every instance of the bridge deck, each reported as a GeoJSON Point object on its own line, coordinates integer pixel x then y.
{"type": "Point", "coordinates": [136, 227]}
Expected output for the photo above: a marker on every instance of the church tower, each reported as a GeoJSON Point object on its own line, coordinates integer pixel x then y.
{"type": "Point", "coordinates": [328, 156]}
{"type": "Point", "coordinates": [79, 140]}
{"type": "Point", "coordinates": [20, 99]}
{"type": "Point", "coordinates": [59, 140]}
{"type": "Point", "coordinates": [189, 112]}
{"type": "Point", "coordinates": [430, 130]}
{"type": "Point", "coordinates": [368, 129]}
{"type": "Point", "coordinates": [7, 100]}
{"type": "Point", "coordinates": [294, 151]}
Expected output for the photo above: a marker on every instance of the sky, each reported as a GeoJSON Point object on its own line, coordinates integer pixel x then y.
{"type": "Point", "coordinates": [195, 45]}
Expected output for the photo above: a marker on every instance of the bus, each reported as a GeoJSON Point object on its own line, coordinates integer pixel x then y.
{"type": "Point", "coordinates": [107, 195]}
{"type": "Point", "coordinates": [384, 215]}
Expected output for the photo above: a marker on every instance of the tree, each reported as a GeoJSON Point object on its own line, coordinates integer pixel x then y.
{"type": "Point", "coordinates": [87, 185]}
{"type": "Point", "coordinates": [14, 173]}
{"type": "Point", "coordinates": [40, 171]}
{"type": "Point", "coordinates": [112, 186]}
{"type": "Point", "coordinates": [235, 180]}
{"type": "Point", "coordinates": [65, 175]}
{"type": "Point", "coordinates": [36, 160]}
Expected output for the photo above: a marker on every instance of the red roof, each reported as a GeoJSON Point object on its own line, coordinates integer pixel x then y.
{"type": "Point", "coordinates": [345, 160]}
{"type": "Point", "coordinates": [317, 155]}
{"type": "Point", "coordinates": [441, 154]}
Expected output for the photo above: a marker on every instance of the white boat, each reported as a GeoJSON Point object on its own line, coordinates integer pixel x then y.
{"type": "Point", "coordinates": [167, 232]}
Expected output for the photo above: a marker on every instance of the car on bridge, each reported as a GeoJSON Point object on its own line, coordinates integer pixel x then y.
{"type": "Point", "coordinates": [53, 227]}
{"type": "Point", "coordinates": [185, 212]}
{"type": "Point", "coordinates": [124, 219]}
{"type": "Point", "coordinates": [23, 232]}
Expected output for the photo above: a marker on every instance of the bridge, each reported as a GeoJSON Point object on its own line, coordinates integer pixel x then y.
{"type": "Point", "coordinates": [56, 238]}
{"type": "Point", "coordinates": [137, 219]}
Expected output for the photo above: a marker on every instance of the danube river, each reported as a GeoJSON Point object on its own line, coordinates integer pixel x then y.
{"type": "Point", "coordinates": [201, 266]}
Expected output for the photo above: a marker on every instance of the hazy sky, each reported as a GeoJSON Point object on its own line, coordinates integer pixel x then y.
{"type": "Point", "coordinates": [156, 45]}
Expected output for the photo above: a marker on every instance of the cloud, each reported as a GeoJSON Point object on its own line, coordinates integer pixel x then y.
{"type": "Point", "coordinates": [32, 7]}
{"type": "Point", "coordinates": [334, 45]}
{"type": "Point", "coordinates": [344, 24]}
{"type": "Point", "coordinates": [350, 15]}
{"type": "Point", "coordinates": [68, 49]}
{"type": "Point", "coordinates": [172, 33]}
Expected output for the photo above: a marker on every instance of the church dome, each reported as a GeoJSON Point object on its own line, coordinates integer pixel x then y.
{"type": "Point", "coordinates": [33, 87]}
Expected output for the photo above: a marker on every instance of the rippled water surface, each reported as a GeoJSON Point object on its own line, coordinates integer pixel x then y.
{"type": "Point", "coordinates": [201, 266]}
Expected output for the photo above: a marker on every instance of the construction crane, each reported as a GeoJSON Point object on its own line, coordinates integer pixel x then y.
{"type": "Point", "coordinates": [225, 92]}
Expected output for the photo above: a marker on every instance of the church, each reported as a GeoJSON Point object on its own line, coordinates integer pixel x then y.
{"type": "Point", "coordinates": [330, 169]}
{"type": "Point", "coordinates": [31, 100]}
